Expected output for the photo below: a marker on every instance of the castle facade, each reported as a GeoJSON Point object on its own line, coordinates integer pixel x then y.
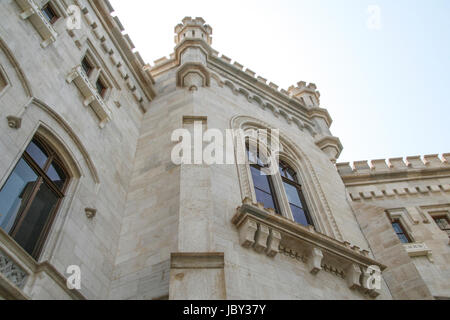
{"type": "Point", "coordinates": [93, 205]}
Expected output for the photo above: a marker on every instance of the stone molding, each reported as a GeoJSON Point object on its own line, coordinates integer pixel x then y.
{"type": "Point", "coordinates": [419, 250]}
{"type": "Point", "coordinates": [320, 207]}
{"type": "Point", "coordinates": [188, 260]}
{"type": "Point", "coordinates": [388, 192]}
{"type": "Point", "coordinates": [395, 169]}
{"type": "Point", "coordinates": [268, 233]}
{"type": "Point", "coordinates": [192, 67]}
{"type": "Point", "coordinates": [24, 264]}
{"type": "Point", "coordinates": [18, 69]}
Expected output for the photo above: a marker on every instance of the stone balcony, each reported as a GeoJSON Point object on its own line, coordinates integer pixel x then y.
{"type": "Point", "coordinates": [33, 13]}
{"type": "Point", "coordinates": [268, 233]}
{"type": "Point", "coordinates": [90, 94]}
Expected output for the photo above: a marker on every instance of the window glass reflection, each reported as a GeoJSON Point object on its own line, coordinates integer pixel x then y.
{"type": "Point", "coordinates": [15, 193]}
{"type": "Point", "coordinates": [37, 153]}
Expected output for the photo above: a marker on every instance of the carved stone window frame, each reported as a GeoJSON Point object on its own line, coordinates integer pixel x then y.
{"type": "Point", "coordinates": [319, 209]}
{"type": "Point", "coordinates": [402, 215]}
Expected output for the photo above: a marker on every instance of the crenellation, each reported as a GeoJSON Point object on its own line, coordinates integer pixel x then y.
{"type": "Point", "coordinates": [392, 165]}
{"type": "Point", "coordinates": [397, 163]}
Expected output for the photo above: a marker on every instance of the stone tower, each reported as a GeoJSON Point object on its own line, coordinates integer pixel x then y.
{"type": "Point", "coordinates": [201, 228]}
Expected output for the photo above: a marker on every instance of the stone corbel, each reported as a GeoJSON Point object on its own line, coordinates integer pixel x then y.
{"type": "Point", "coordinates": [15, 122]}
{"type": "Point", "coordinates": [247, 233]}
{"type": "Point", "coordinates": [265, 232]}
{"type": "Point", "coordinates": [332, 146]}
{"type": "Point", "coordinates": [315, 261]}
{"type": "Point", "coordinates": [353, 276]}
{"type": "Point", "coordinates": [191, 75]}
{"type": "Point", "coordinates": [90, 213]}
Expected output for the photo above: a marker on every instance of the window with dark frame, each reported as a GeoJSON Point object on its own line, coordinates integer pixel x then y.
{"type": "Point", "coordinates": [30, 198]}
{"type": "Point", "coordinates": [101, 88]}
{"type": "Point", "coordinates": [401, 232]}
{"type": "Point", "coordinates": [264, 188]}
{"type": "Point", "coordinates": [49, 13]}
{"type": "Point", "coordinates": [87, 66]}
{"type": "Point", "coordinates": [295, 195]}
{"type": "Point", "coordinates": [443, 223]}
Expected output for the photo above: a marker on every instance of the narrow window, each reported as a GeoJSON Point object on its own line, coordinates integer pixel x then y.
{"type": "Point", "coordinates": [443, 223]}
{"type": "Point", "coordinates": [263, 183]}
{"type": "Point", "coordinates": [101, 88]}
{"type": "Point", "coordinates": [295, 195]}
{"type": "Point", "coordinates": [49, 13]}
{"type": "Point", "coordinates": [87, 66]}
{"type": "Point", "coordinates": [3, 82]}
{"type": "Point", "coordinates": [400, 231]}
{"type": "Point", "coordinates": [31, 196]}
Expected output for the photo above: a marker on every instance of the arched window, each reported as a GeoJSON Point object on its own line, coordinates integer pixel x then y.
{"type": "Point", "coordinates": [264, 186]}
{"type": "Point", "coordinates": [295, 196]}
{"type": "Point", "coordinates": [30, 198]}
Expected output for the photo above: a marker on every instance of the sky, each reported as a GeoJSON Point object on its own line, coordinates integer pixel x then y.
{"type": "Point", "coordinates": [382, 67]}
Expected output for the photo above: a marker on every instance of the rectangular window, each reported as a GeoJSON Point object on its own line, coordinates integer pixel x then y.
{"type": "Point", "coordinates": [400, 231]}
{"type": "Point", "coordinates": [49, 13]}
{"type": "Point", "coordinates": [101, 88]}
{"type": "Point", "coordinates": [87, 66]}
{"type": "Point", "coordinates": [443, 223]}
{"type": "Point", "coordinates": [3, 82]}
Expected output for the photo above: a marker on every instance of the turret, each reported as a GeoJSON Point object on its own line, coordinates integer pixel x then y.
{"type": "Point", "coordinates": [308, 94]}
{"type": "Point", "coordinates": [193, 29]}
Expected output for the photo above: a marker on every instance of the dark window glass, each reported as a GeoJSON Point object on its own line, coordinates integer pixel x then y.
{"type": "Point", "coordinates": [14, 194]}
{"type": "Point", "coordinates": [262, 183]}
{"type": "Point", "coordinates": [49, 13]}
{"type": "Point", "coordinates": [87, 67]}
{"type": "Point", "coordinates": [443, 223]}
{"type": "Point", "coordinates": [101, 88]}
{"type": "Point", "coordinates": [57, 175]}
{"type": "Point", "coordinates": [30, 197]}
{"type": "Point", "coordinates": [32, 225]}
{"type": "Point", "coordinates": [3, 82]}
{"type": "Point", "coordinates": [260, 180]}
{"type": "Point", "coordinates": [295, 196]}
{"type": "Point", "coordinates": [402, 235]}
{"type": "Point", "coordinates": [299, 215]}
{"type": "Point", "coordinates": [37, 153]}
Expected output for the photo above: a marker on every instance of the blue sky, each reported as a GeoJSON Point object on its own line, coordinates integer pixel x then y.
{"type": "Point", "coordinates": [385, 88]}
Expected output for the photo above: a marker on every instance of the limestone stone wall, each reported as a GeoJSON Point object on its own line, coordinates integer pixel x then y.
{"type": "Point", "coordinates": [412, 191]}
{"type": "Point", "coordinates": [101, 159]}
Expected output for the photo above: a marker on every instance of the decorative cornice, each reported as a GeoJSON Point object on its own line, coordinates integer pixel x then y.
{"type": "Point", "coordinates": [269, 233]}
{"type": "Point", "coordinates": [395, 169]}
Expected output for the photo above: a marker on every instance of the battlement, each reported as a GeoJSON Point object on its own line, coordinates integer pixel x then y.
{"type": "Point", "coordinates": [393, 165]}
{"type": "Point", "coordinates": [129, 56]}
{"type": "Point", "coordinates": [308, 93]}
{"type": "Point", "coordinates": [193, 29]}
